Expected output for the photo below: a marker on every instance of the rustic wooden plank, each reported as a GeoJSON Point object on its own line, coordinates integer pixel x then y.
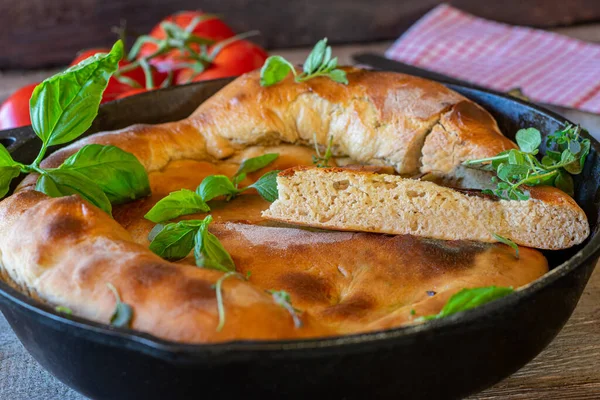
{"type": "Point", "coordinates": [570, 367]}
{"type": "Point", "coordinates": [35, 34]}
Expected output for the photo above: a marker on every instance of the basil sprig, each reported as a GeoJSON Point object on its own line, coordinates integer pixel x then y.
{"type": "Point", "coordinates": [185, 202]}
{"type": "Point", "coordinates": [467, 299]}
{"type": "Point", "coordinates": [62, 108]}
{"type": "Point", "coordinates": [318, 63]}
{"type": "Point", "coordinates": [565, 156]}
{"type": "Point", "coordinates": [175, 241]}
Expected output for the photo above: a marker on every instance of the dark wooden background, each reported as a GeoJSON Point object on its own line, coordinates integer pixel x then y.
{"type": "Point", "coordinates": [44, 33]}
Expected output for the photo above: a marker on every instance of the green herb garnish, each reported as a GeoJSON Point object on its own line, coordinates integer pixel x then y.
{"type": "Point", "coordinates": [62, 108]}
{"type": "Point", "coordinates": [565, 156]}
{"type": "Point", "coordinates": [174, 241]}
{"type": "Point", "coordinates": [467, 299]}
{"type": "Point", "coordinates": [318, 63]}
{"type": "Point", "coordinates": [181, 202]}
{"type": "Point", "coordinates": [219, 292]}
{"type": "Point", "coordinates": [123, 313]}
{"type": "Point", "coordinates": [322, 160]}
{"type": "Point", "coordinates": [185, 202]}
{"type": "Point", "coordinates": [63, 310]}
{"type": "Point", "coordinates": [507, 242]}
{"type": "Point", "coordinates": [282, 298]}
{"type": "Point", "coordinates": [208, 250]}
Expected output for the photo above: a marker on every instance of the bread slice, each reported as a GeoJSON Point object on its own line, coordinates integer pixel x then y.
{"type": "Point", "coordinates": [343, 199]}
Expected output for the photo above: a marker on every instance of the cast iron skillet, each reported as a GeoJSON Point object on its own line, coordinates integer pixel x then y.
{"type": "Point", "coordinates": [447, 358]}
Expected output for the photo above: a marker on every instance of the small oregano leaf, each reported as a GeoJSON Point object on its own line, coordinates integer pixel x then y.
{"type": "Point", "coordinates": [275, 69]}
{"type": "Point", "coordinates": [528, 139]}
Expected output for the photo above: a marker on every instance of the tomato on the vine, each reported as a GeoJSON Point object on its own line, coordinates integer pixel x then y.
{"type": "Point", "coordinates": [115, 87]}
{"type": "Point", "coordinates": [234, 59]}
{"type": "Point", "coordinates": [14, 112]}
{"type": "Point", "coordinates": [212, 28]}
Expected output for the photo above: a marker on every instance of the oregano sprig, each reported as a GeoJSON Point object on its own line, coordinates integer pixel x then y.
{"type": "Point", "coordinates": [185, 202]}
{"type": "Point", "coordinates": [516, 168]}
{"type": "Point", "coordinates": [318, 63]}
{"type": "Point", "coordinates": [62, 108]}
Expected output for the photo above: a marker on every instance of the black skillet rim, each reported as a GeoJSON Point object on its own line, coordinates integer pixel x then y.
{"type": "Point", "coordinates": [152, 345]}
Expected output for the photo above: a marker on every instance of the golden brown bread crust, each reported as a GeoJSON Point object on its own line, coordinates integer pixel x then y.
{"type": "Point", "coordinates": [69, 249]}
{"type": "Point", "coordinates": [380, 118]}
{"type": "Point", "coordinates": [345, 283]}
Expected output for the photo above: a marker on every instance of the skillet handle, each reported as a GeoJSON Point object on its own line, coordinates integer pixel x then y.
{"type": "Point", "coordinates": [11, 139]}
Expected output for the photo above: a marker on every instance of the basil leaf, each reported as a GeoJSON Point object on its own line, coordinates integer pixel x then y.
{"type": "Point", "coordinates": [7, 174]}
{"type": "Point", "coordinates": [58, 183]}
{"type": "Point", "coordinates": [266, 186]}
{"type": "Point", "coordinates": [214, 186]}
{"type": "Point", "coordinates": [63, 106]}
{"type": "Point", "coordinates": [5, 158]}
{"type": "Point", "coordinates": [155, 231]}
{"type": "Point", "coordinates": [209, 251]}
{"type": "Point", "coordinates": [528, 139]}
{"type": "Point", "coordinates": [121, 317]}
{"type": "Point", "coordinates": [507, 242]}
{"type": "Point", "coordinates": [254, 164]}
{"type": "Point", "coordinates": [275, 69]}
{"type": "Point", "coordinates": [176, 204]}
{"type": "Point", "coordinates": [339, 76]}
{"type": "Point", "coordinates": [564, 182]}
{"type": "Point", "coordinates": [119, 173]}
{"type": "Point", "coordinates": [315, 58]}
{"type": "Point", "coordinates": [176, 240]}
{"type": "Point", "coordinates": [468, 299]}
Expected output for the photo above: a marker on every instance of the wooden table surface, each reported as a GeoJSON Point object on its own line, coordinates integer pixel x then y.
{"type": "Point", "coordinates": [568, 369]}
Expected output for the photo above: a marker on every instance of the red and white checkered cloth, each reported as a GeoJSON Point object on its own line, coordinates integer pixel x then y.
{"type": "Point", "coordinates": [547, 67]}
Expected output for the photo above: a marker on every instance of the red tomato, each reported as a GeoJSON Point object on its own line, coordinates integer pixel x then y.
{"type": "Point", "coordinates": [115, 88]}
{"type": "Point", "coordinates": [212, 28]}
{"type": "Point", "coordinates": [132, 92]}
{"type": "Point", "coordinates": [14, 112]}
{"type": "Point", "coordinates": [233, 60]}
